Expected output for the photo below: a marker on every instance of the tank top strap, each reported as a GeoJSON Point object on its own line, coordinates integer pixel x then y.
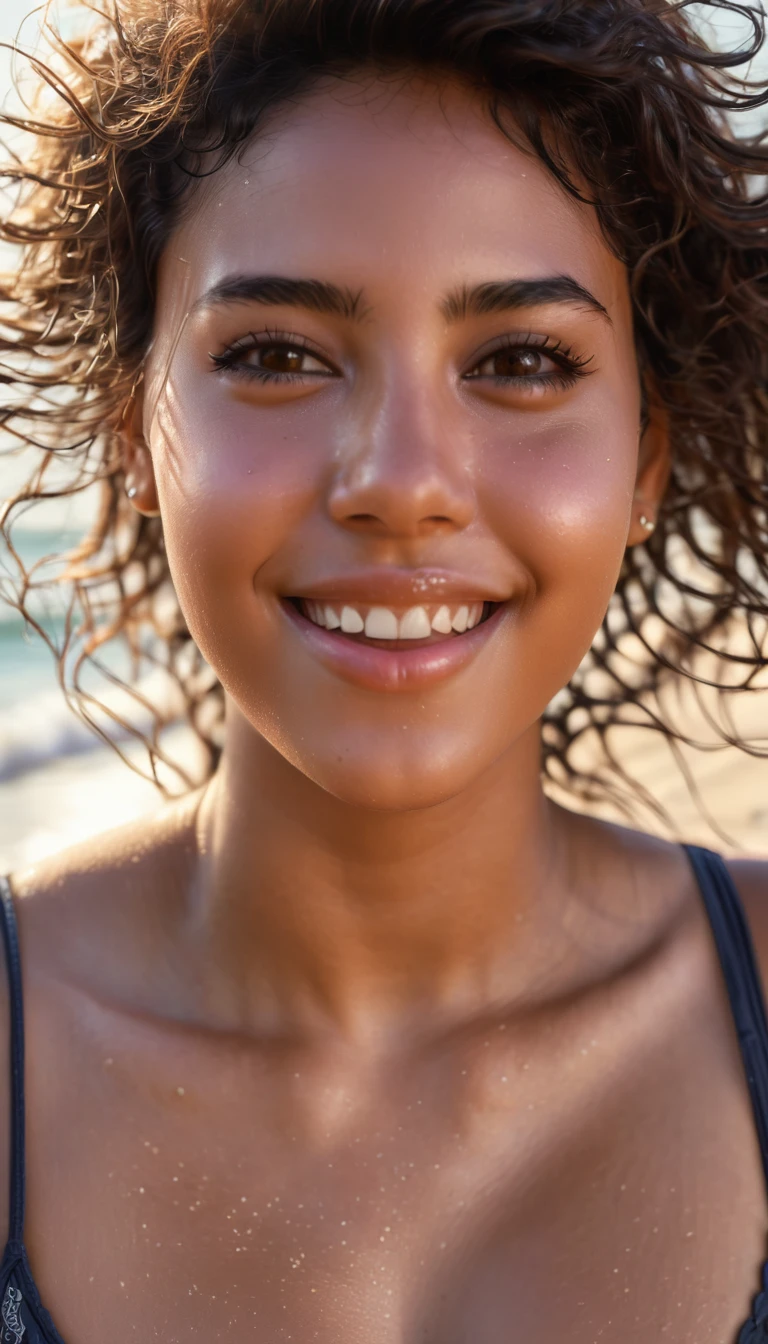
{"type": "Point", "coordinates": [742, 977]}
{"type": "Point", "coordinates": [18, 1162]}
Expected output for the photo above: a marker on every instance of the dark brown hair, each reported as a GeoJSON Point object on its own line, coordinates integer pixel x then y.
{"type": "Point", "coordinates": [619, 96]}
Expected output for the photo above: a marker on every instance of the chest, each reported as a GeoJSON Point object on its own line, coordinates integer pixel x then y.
{"type": "Point", "coordinates": [480, 1196]}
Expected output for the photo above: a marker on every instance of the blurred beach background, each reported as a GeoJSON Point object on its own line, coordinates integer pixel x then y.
{"type": "Point", "coordinates": [59, 784]}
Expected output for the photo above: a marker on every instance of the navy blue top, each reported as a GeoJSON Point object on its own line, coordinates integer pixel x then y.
{"type": "Point", "coordinates": [25, 1319]}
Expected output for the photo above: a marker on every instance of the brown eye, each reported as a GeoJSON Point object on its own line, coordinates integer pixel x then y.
{"type": "Point", "coordinates": [516, 362]}
{"type": "Point", "coordinates": [519, 363]}
{"type": "Point", "coordinates": [280, 359]}
{"type": "Point", "coordinates": [269, 361]}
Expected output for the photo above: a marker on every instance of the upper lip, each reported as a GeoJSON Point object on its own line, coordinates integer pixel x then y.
{"type": "Point", "coordinates": [400, 587]}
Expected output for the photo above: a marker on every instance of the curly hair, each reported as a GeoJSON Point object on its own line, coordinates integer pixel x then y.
{"type": "Point", "coordinates": [626, 106]}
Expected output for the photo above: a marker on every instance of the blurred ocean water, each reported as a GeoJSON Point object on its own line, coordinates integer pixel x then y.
{"type": "Point", "coordinates": [58, 783]}
{"type": "Point", "coordinates": [36, 724]}
{"type": "Point", "coordinates": [26, 665]}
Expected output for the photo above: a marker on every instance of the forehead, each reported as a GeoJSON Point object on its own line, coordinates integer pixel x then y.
{"type": "Point", "coordinates": [373, 177]}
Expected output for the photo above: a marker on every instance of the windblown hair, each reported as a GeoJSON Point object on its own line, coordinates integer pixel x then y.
{"type": "Point", "coordinates": [627, 107]}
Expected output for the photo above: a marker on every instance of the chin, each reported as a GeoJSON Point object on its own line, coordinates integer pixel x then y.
{"type": "Point", "coordinates": [381, 779]}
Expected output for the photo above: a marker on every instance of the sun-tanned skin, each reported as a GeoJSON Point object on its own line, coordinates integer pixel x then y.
{"type": "Point", "coordinates": [368, 1042]}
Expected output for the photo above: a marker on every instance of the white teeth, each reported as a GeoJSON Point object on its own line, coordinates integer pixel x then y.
{"type": "Point", "coordinates": [352, 622]}
{"type": "Point", "coordinates": [441, 621]}
{"type": "Point", "coordinates": [383, 623]}
{"type": "Point", "coordinates": [380, 623]}
{"type": "Point", "coordinates": [415, 624]}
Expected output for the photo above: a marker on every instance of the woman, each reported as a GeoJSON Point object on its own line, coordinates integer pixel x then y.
{"type": "Point", "coordinates": [422, 344]}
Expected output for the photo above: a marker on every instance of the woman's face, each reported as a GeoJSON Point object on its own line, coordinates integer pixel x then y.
{"type": "Point", "coordinates": [392, 385]}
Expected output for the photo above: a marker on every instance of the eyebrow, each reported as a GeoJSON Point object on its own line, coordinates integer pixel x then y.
{"type": "Point", "coordinates": [321, 296]}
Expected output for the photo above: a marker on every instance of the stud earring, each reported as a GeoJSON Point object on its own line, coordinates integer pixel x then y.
{"type": "Point", "coordinates": [131, 492]}
{"type": "Point", "coordinates": [647, 523]}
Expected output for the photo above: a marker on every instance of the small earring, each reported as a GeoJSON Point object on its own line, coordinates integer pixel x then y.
{"type": "Point", "coordinates": [132, 491]}
{"type": "Point", "coordinates": [647, 523]}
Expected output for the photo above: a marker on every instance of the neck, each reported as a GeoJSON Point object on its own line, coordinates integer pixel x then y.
{"type": "Point", "coordinates": [325, 915]}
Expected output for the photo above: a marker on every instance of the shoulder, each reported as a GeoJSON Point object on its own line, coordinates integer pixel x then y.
{"type": "Point", "coordinates": [76, 909]}
{"type": "Point", "coordinates": [94, 866]}
{"type": "Point", "coordinates": [85, 918]}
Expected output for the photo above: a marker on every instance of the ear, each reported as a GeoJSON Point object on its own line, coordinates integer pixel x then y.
{"type": "Point", "coordinates": [140, 484]}
{"type": "Point", "coordinates": [653, 468]}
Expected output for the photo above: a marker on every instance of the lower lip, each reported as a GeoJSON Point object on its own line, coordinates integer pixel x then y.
{"type": "Point", "coordinates": [378, 669]}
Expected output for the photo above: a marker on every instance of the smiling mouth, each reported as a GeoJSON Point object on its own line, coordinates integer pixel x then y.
{"type": "Point", "coordinates": [395, 627]}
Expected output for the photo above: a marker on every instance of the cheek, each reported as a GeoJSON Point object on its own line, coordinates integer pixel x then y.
{"type": "Point", "coordinates": [561, 498]}
{"type": "Point", "coordinates": [230, 493]}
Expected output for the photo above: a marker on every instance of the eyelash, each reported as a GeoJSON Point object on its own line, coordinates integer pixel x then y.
{"type": "Point", "coordinates": [571, 366]}
{"type": "Point", "coordinates": [226, 360]}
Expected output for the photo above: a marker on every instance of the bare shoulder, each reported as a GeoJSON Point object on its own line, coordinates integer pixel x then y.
{"type": "Point", "coordinates": [82, 915]}
{"type": "Point", "coordinates": [85, 902]}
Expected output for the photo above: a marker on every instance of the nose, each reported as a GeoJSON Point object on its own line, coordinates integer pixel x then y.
{"type": "Point", "coordinates": [403, 472]}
